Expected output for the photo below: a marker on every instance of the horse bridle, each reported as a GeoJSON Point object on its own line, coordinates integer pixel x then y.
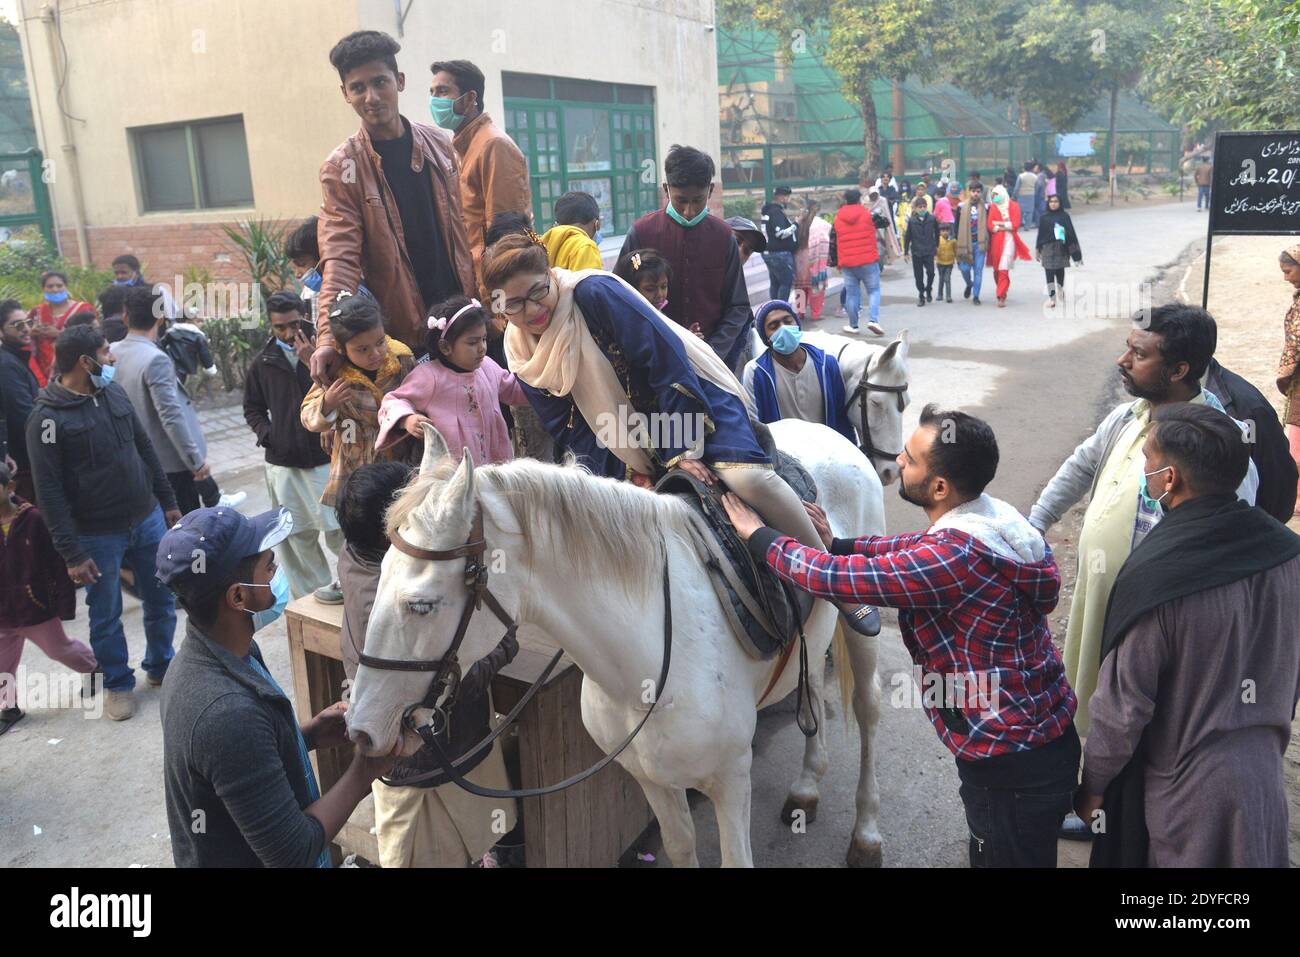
{"type": "Point", "coordinates": [859, 396]}
{"type": "Point", "coordinates": [447, 672]}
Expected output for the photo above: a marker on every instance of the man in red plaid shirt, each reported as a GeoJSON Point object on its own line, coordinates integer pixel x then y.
{"type": "Point", "coordinates": [973, 593]}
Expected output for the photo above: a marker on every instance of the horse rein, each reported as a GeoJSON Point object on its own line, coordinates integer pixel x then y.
{"type": "Point", "coordinates": [447, 673]}
{"type": "Point", "coordinates": [859, 395]}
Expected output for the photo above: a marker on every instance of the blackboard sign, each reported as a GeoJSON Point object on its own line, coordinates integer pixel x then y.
{"type": "Point", "coordinates": [1256, 183]}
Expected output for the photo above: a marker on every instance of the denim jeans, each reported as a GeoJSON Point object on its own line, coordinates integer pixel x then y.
{"type": "Point", "coordinates": [869, 276]}
{"type": "Point", "coordinates": [1028, 216]}
{"type": "Point", "coordinates": [136, 549]}
{"type": "Point", "coordinates": [780, 271]}
{"type": "Point", "coordinates": [1202, 193]}
{"type": "Point", "coordinates": [973, 273]}
{"type": "Point", "coordinates": [1014, 814]}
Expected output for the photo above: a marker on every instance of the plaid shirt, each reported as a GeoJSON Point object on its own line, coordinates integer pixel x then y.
{"type": "Point", "coordinates": [963, 611]}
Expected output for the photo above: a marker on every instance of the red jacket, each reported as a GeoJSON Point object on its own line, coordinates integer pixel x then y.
{"type": "Point", "coordinates": [855, 236]}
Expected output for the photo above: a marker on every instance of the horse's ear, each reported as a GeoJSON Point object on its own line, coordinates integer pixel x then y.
{"type": "Point", "coordinates": [435, 448]}
{"type": "Point", "coordinates": [460, 490]}
{"type": "Point", "coordinates": [895, 350]}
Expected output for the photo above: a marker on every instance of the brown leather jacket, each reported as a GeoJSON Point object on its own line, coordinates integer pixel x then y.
{"type": "Point", "coordinates": [493, 177]}
{"type": "Point", "coordinates": [360, 231]}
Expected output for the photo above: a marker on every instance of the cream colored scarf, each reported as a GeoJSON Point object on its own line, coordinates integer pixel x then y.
{"type": "Point", "coordinates": [565, 360]}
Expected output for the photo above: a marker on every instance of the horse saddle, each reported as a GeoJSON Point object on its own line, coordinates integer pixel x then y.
{"type": "Point", "coordinates": [764, 611]}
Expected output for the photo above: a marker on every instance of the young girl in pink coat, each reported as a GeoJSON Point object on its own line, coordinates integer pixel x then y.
{"type": "Point", "coordinates": [459, 390]}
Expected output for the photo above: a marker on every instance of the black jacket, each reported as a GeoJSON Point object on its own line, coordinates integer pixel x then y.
{"type": "Point", "coordinates": [774, 218]}
{"type": "Point", "coordinates": [230, 753]}
{"type": "Point", "coordinates": [19, 389]}
{"type": "Point", "coordinates": [95, 471]}
{"type": "Point", "coordinates": [1270, 451]}
{"type": "Point", "coordinates": [273, 394]}
{"type": "Point", "coordinates": [922, 237]}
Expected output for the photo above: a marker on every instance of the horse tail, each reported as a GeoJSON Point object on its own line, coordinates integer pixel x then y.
{"type": "Point", "coordinates": [843, 667]}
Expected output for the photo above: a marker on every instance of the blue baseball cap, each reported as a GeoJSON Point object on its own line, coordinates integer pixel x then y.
{"type": "Point", "coordinates": [213, 541]}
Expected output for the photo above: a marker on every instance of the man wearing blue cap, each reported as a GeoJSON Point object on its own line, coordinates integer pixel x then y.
{"type": "Point", "coordinates": [240, 789]}
{"type": "Point", "coordinates": [794, 380]}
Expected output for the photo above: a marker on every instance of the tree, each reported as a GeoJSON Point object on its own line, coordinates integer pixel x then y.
{"type": "Point", "coordinates": [862, 41]}
{"type": "Point", "coordinates": [1233, 62]}
{"type": "Point", "coordinates": [1032, 52]}
{"type": "Point", "coordinates": [1121, 36]}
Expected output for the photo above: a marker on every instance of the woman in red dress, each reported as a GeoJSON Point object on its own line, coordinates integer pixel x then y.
{"type": "Point", "coordinates": [50, 317]}
{"type": "Point", "coordinates": [1005, 244]}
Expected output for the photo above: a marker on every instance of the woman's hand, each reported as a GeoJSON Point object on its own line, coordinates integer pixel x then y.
{"type": "Point", "coordinates": [414, 424]}
{"type": "Point", "coordinates": [43, 330]}
{"type": "Point", "coordinates": [698, 469]}
{"type": "Point", "coordinates": [334, 396]}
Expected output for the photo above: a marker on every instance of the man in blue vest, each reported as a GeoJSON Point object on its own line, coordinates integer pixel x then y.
{"type": "Point", "coordinates": [706, 292]}
{"type": "Point", "coordinates": [793, 380]}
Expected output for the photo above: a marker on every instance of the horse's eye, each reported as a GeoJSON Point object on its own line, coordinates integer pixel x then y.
{"type": "Point", "coordinates": [419, 606]}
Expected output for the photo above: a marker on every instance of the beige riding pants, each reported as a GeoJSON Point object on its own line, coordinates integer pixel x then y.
{"type": "Point", "coordinates": [769, 495]}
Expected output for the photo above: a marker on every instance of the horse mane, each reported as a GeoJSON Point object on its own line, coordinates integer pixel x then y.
{"type": "Point", "coordinates": [590, 523]}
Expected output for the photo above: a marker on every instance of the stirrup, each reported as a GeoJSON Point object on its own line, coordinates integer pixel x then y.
{"type": "Point", "coordinates": [863, 619]}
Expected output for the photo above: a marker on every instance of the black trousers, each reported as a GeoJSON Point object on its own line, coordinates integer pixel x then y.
{"type": "Point", "coordinates": [1055, 281]}
{"type": "Point", "coordinates": [1015, 803]}
{"type": "Point", "coordinates": [923, 264]}
{"type": "Point", "coordinates": [945, 282]}
{"type": "Point", "coordinates": [190, 494]}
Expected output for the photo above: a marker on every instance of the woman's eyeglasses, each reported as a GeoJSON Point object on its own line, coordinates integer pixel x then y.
{"type": "Point", "coordinates": [513, 307]}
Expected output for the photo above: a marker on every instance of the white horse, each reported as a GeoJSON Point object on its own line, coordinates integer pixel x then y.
{"type": "Point", "coordinates": [550, 528]}
{"type": "Point", "coordinates": [872, 365]}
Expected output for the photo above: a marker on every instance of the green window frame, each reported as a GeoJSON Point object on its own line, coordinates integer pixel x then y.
{"type": "Point", "coordinates": [202, 164]}
{"type": "Point", "coordinates": [613, 123]}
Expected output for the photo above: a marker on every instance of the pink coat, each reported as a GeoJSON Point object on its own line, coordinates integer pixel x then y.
{"type": "Point", "coordinates": [463, 406]}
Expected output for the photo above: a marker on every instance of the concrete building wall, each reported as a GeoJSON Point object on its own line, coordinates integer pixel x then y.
{"type": "Point", "coordinates": [132, 63]}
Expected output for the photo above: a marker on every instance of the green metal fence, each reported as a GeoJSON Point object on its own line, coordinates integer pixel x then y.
{"type": "Point", "coordinates": [24, 194]}
{"type": "Point", "coordinates": [764, 166]}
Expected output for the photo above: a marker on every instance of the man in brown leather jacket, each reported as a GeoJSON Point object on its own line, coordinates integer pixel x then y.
{"type": "Point", "coordinates": [493, 171]}
{"type": "Point", "coordinates": [390, 205]}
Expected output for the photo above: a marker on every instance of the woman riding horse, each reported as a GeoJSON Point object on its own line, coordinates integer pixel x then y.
{"type": "Point", "coordinates": [589, 350]}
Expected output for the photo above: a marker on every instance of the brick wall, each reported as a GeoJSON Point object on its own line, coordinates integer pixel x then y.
{"type": "Point", "coordinates": [164, 250]}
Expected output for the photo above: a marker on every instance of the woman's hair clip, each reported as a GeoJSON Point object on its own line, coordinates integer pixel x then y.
{"type": "Point", "coordinates": [534, 238]}
{"type": "Point", "coordinates": [636, 261]}
{"type": "Point", "coordinates": [442, 323]}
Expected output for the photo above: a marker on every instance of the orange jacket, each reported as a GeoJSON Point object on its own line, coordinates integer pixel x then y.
{"type": "Point", "coordinates": [360, 231]}
{"type": "Point", "coordinates": [493, 177]}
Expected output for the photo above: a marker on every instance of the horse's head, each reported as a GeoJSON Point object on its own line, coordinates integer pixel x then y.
{"type": "Point", "coordinates": [420, 600]}
{"type": "Point", "coordinates": [882, 390]}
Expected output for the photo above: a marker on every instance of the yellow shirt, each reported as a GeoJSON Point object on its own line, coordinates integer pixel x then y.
{"type": "Point", "coordinates": [947, 254]}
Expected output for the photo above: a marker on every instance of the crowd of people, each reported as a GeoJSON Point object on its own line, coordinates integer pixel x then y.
{"type": "Point", "coordinates": [428, 301]}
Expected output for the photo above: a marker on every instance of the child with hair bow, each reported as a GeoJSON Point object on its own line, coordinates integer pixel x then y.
{"type": "Point", "coordinates": [459, 390]}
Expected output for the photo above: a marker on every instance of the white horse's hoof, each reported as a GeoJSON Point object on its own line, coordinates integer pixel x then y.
{"type": "Point", "coordinates": [794, 805]}
{"type": "Point", "coordinates": [862, 854]}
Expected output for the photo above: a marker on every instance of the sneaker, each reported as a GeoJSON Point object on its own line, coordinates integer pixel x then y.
{"type": "Point", "coordinates": [966, 294]}
{"type": "Point", "coordinates": [976, 300]}
{"type": "Point", "coordinates": [1074, 828]}
{"type": "Point", "coordinates": [949, 299]}
{"type": "Point", "coordinates": [875, 328]}
{"type": "Point", "coordinates": [10, 717]}
{"type": "Point", "coordinates": [331, 594]}
{"type": "Point", "coordinates": [231, 501]}
{"type": "Point", "coordinates": [119, 705]}
{"type": "Point", "coordinates": [154, 681]}
{"type": "Point", "coordinates": [852, 330]}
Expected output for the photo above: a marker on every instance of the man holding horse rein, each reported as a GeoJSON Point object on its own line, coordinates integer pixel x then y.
{"type": "Point", "coordinates": [973, 593]}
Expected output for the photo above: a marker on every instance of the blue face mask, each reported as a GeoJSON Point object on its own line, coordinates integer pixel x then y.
{"type": "Point", "coordinates": [598, 238]}
{"type": "Point", "coordinates": [286, 346]}
{"type": "Point", "coordinates": [57, 296]}
{"type": "Point", "coordinates": [103, 377]}
{"type": "Point", "coordinates": [311, 279]}
{"type": "Point", "coordinates": [677, 217]}
{"type": "Point", "coordinates": [786, 339]}
{"type": "Point", "coordinates": [440, 108]}
{"type": "Point", "coordinates": [1151, 504]}
{"type": "Point", "coordinates": [123, 282]}
{"type": "Point", "coordinates": [280, 589]}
